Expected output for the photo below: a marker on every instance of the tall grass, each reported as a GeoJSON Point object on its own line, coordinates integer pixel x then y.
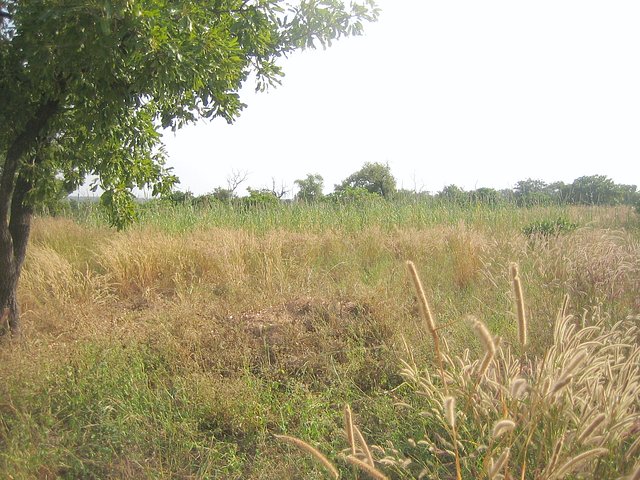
{"type": "Point", "coordinates": [572, 410]}
{"type": "Point", "coordinates": [356, 215]}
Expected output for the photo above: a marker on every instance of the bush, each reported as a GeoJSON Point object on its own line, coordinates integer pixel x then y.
{"type": "Point", "coordinates": [549, 228]}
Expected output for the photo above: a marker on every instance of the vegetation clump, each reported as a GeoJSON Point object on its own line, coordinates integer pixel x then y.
{"type": "Point", "coordinates": [548, 228]}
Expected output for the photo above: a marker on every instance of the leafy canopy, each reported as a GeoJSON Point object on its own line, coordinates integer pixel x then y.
{"type": "Point", "coordinates": [310, 188]}
{"type": "Point", "coordinates": [373, 177]}
{"type": "Point", "coordinates": [113, 73]}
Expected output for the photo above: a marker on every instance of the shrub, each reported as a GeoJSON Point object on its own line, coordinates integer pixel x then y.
{"type": "Point", "coordinates": [549, 228]}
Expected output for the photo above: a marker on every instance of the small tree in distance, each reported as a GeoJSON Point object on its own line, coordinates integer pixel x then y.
{"type": "Point", "coordinates": [373, 177]}
{"type": "Point", "coordinates": [310, 188]}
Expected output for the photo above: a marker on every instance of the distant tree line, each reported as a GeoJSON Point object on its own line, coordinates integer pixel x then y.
{"type": "Point", "coordinates": [374, 181]}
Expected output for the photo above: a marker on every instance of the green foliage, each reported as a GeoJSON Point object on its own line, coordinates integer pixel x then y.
{"type": "Point", "coordinates": [357, 195]}
{"type": "Point", "coordinates": [310, 188]}
{"type": "Point", "coordinates": [110, 75]}
{"type": "Point", "coordinates": [373, 177]}
{"type": "Point", "coordinates": [486, 196]}
{"type": "Point", "coordinates": [120, 207]}
{"type": "Point", "coordinates": [179, 198]}
{"type": "Point", "coordinates": [263, 198]}
{"type": "Point", "coordinates": [454, 194]}
{"type": "Point", "coordinates": [593, 190]}
{"type": "Point", "coordinates": [549, 228]}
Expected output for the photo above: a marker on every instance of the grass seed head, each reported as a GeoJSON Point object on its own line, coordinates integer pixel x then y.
{"type": "Point", "coordinates": [425, 310]}
{"type": "Point", "coordinates": [304, 446]}
{"type": "Point", "coordinates": [586, 434]}
{"type": "Point", "coordinates": [365, 467]}
{"type": "Point", "coordinates": [450, 411]}
{"type": "Point", "coordinates": [502, 426]}
{"type": "Point", "coordinates": [520, 307]}
{"type": "Point", "coordinates": [499, 464]}
{"type": "Point", "coordinates": [578, 460]}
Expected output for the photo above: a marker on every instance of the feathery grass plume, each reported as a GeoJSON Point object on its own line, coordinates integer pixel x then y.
{"type": "Point", "coordinates": [363, 444]}
{"type": "Point", "coordinates": [566, 374]}
{"type": "Point", "coordinates": [502, 426]}
{"type": "Point", "coordinates": [428, 318]}
{"type": "Point", "coordinates": [565, 304]}
{"type": "Point", "coordinates": [365, 467]}
{"type": "Point", "coordinates": [518, 386]}
{"type": "Point", "coordinates": [487, 342]}
{"type": "Point", "coordinates": [499, 463]}
{"type": "Point", "coordinates": [450, 411]}
{"type": "Point", "coordinates": [348, 427]}
{"type": "Point", "coordinates": [517, 290]}
{"type": "Point", "coordinates": [484, 335]}
{"type": "Point", "coordinates": [425, 310]}
{"type": "Point", "coordinates": [576, 461]}
{"type": "Point", "coordinates": [591, 428]}
{"type": "Point", "coordinates": [450, 415]}
{"type": "Point", "coordinates": [555, 455]}
{"type": "Point", "coordinates": [302, 445]}
{"type": "Point", "coordinates": [632, 449]}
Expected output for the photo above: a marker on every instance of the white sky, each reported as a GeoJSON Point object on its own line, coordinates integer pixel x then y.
{"type": "Point", "coordinates": [472, 93]}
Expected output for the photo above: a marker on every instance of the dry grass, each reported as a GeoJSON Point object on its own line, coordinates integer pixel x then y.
{"type": "Point", "coordinates": [150, 354]}
{"type": "Point", "coordinates": [574, 409]}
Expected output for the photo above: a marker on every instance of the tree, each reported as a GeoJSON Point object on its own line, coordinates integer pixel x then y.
{"type": "Point", "coordinates": [531, 192]}
{"type": "Point", "coordinates": [454, 194]}
{"type": "Point", "coordinates": [484, 195]}
{"type": "Point", "coordinates": [310, 188]}
{"type": "Point", "coordinates": [87, 87]}
{"type": "Point", "coordinates": [593, 190]}
{"type": "Point", "coordinates": [373, 177]}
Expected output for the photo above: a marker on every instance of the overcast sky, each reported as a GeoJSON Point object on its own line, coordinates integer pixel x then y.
{"type": "Point", "coordinates": [473, 93]}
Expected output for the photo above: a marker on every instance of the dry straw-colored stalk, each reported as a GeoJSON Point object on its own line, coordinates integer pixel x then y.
{"type": "Point", "coordinates": [304, 446]}
{"type": "Point", "coordinates": [363, 445]}
{"type": "Point", "coordinates": [556, 454]}
{"type": "Point", "coordinates": [636, 474]}
{"type": "Point", "coordinates": [502, 426]}
{"type": "Point", "coordinates": [365, 467]}
{"type": "Point", "coordinates": [517, 290]}
{"type": "Point", "coordinates": [425, 310]}
{"type": "Point", "coordinates": [348, 427]}
{"type": "Point", "coordinates": [499, 463]}
{"type": "Point", "coordinates": [576, 461]}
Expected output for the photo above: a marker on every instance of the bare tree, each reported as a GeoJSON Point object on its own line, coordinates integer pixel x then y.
{"type": "Point", "coordinates": [236, 178]}
{"type": "Point", "coordinates": [279, 192]}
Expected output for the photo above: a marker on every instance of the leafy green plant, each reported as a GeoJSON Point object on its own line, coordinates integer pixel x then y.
{"type": "Point", "coordinates": [549, 228]}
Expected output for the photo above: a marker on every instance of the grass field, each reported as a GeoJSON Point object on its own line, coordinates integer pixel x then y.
{"type": "Point", "coordinates": [180, 347]}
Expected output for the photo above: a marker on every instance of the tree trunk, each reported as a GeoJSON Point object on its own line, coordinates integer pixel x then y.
{"type": "Point", "coordinates": [19, 229]}
{"type": "Point", "coordinates": [15, 215]}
